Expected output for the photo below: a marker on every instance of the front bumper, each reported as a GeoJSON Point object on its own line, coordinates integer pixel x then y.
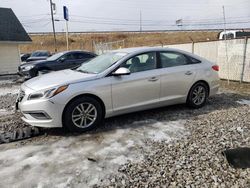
{"type": "Point", "coordinates": [23, 72]}
{"type": "Point", "coordinates": [51, 110]}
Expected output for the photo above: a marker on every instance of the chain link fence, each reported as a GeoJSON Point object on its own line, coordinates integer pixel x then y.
{"type": "Point", "coordinates": [101, 48]}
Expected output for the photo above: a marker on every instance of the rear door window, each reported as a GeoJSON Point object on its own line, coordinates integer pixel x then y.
{"type": "Point", "coordinates": [173, 59]}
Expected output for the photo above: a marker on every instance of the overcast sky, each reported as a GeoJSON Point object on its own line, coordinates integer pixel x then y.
{"type": "Point", "coordinates": [103, 15]}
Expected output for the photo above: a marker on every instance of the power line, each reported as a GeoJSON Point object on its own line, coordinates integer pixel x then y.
{"type": "Point", "coordinates": [33, 15]}
{"type": "Point", "coordinates": [146, 20]}
{"type": "Point", "coordinates": [36, 26]}
{"type": "Point", "coordinates": [134, 24]}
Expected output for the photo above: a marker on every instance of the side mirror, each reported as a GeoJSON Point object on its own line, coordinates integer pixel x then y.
{"type": "Point", "coordinates": [121, 71]}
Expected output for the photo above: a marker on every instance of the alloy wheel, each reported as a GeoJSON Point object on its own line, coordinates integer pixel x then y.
{"type": "Point", "coordinates": [84, 115]}
{"type": "Point", "coordinates": [199, 95]}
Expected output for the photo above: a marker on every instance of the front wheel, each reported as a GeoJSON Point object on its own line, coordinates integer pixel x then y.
{"type": "Point", "coordinates": [82, 114]}
{"type": "Point", "coordinates": [33, 73]}
{"type": "Point", "coordinates": [198, 95]}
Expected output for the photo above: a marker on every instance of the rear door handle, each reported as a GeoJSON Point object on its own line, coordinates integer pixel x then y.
{"type": "Point", "coordinates": [188, 73]}
{"type": "Point", "coordinates": [153, 79]}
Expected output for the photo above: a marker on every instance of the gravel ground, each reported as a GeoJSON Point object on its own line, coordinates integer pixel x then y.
{"type": "Point", "coordinates": [195, 160]}
{"type": "Point", "coordinates": [9, 119]}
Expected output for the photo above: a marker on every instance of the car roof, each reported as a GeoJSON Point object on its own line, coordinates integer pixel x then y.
{"type": "Point", "coordinates": [69, 51]}
{"type": "Point", "coordinates": [138, 50]}
{"type": "Point", "coordinates": [145, 49]}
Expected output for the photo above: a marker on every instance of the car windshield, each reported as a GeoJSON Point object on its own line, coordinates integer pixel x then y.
{"type": "Point", "coordinates": [39, 53]}
{"type": "Point", "coordinates": [55, 56]}
{"type": "Point", "coordinates": [100, 63]}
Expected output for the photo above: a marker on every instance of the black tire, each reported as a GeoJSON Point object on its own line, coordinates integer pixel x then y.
{"type": "Point", "coordinates": [194, 102]}
{"type": "Point", "coordinates": [67, 119]}
{"type": "Point", "coordinates": [33, 73]}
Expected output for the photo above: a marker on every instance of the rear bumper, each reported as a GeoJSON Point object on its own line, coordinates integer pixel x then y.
{"type": "Point", "coordinates": [214, 90]}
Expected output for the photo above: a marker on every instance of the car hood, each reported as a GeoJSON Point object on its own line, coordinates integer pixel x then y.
{"type": "Point", "coordinates": [58, 78]}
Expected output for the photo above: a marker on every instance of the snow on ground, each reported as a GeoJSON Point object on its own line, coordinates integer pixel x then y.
{"type": "Point", "coordinates": [243, 101]}
{"type": "Point", "coordinates": [4, 112]}
{"type": "Point", "coordinates": [9, 90]}
{"type": "Point", "coordinates": [6, 81]}
{"type": "Point", "coordinates": [84, 160]}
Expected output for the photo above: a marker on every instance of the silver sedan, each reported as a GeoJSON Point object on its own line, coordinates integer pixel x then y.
{"type": "Point", "coordinates": [118, 82]}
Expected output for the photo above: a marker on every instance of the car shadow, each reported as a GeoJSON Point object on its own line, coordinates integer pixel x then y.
{"type": "Point", "coordinates": [222, 101]}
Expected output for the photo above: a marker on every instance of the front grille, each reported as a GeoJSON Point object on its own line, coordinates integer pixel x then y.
{"type": "Point", "coordinates": [20, 96]}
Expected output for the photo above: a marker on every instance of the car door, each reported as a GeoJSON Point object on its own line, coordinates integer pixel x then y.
{"type": "Point", "coordinates": [141, 88]}
{"type": "Point", "coordinates": [178, 72]}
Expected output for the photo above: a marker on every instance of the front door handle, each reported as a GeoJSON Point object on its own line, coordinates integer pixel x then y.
{"type": "Point", "coordinates": [153, 79]}
{"type": "Point", "coordinates": [188, 73]}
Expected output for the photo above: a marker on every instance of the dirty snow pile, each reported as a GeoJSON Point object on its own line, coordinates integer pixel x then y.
{"type": "Point", "coordinates": [246, 102]}
{"type": "Point", "coordinates": [84, 160]}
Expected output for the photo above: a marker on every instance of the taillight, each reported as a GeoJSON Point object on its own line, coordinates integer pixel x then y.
{"type": "Point", "coordinates": [215, 67]}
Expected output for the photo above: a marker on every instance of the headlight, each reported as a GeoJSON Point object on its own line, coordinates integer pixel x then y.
{"type": "Point", "coordinates": [28, 67]}
{"type": "Point", "coordinates": [47, 93]}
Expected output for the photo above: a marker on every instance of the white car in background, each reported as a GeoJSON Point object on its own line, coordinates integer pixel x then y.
{"type": "Point", "coordinates": [118, 82]}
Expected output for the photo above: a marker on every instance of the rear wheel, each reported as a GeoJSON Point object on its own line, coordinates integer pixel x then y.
{"type": "Point", "coordinates": [198, 95]}
{"type": "Point", "coordinates": [82, 114]}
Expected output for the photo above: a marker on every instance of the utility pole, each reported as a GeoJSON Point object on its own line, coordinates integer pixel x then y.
{"type": "Point", "coordinates": [53, 24]}
{"type": "Point", "coordinates": [224, 18]}
{"type": "Point", "coordinates": [140, 22]}
{"type": "Point", "coordinates": [225, 38]}
{"type": "Point", "coordinates": [67, 35]}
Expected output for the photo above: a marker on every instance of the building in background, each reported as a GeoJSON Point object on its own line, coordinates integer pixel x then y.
{"type": "Point", "coordinates": [12, 34]}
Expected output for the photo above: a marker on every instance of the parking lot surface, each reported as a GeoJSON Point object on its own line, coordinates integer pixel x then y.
{"type": "Point", "coordinates": [171, 146]}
